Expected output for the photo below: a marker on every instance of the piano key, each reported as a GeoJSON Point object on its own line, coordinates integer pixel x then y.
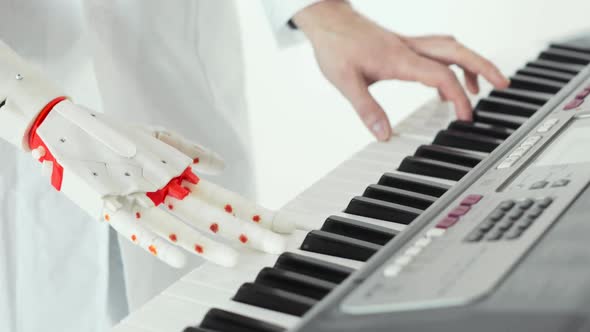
{"type": "Point", "coordinates": [192, 297]}
{"type": "Point", "coordinates": [433, 168]}
{"type": "Point", "coordinates": [535, 84]}
{"type": "Point", "coordinates": [416, 184]}
{"type": "Point", "coordinates": [370, 167]}
{"type": "Point", "coordinates": [465, 140]}
{"type": "Point", "coordinates": [339, 246]}
{"type": "Point", "coordinates": [546, 73]}
{"type": "Point", "coordinates": [226, 321]}
{"type": "Point", "coordinates": [316, 224]}
{"type": "Point", "coordinates": [295, 241]}
{"type": "Point", "coordinates": [397, 227]}
{"type": "Point", "coordinates": [495, 119]}
{"type": "Point", "coordinates": [451, 155]}
{"type": "Point", "coordinates": [313, 267]}
{"type": "Point", "coordinates": [380, 154]}
{"type": "Point", "coordinates": [274, 299]}
{"type": "Point", "coordinates": [397, 145]}
{"type": "Point", "coordinates": [338, 190]}
{"type": "Point", "coordinates": [537, 98]}
{"type": "Point", "coordinates": [197, 329]}
{"type": "Point", "coordinates": [223, 278]}
{"type": "Point", "coordinates": [557, 66]}
{"type": "Point", "coordinates": [567, 56]}
{"type": "Point", "coordinates": [166, 313]}
{"type": "Point", "coordinates": [316, 205]}
{"type": "Point", "coordinates": [334, 259]}
{"type": "Point", "coordinates": [426, 120]}
{"type": "Point", "coordinates": [572, 46]}
{"type": "Point", "coordinates": [481, 129]}
{"type": "Point", "coordinates": [351, 174]}
{"type": "Point", "coordinates": [378, 209]}
{"type": "Point", "coordinates": [507, 106]}
{"type": "Point", "coordinates": [399, 196]}
{"type": "Point", "coordinates": [295, 283]}
{"type": "Point", "coordinates": [358, 230]}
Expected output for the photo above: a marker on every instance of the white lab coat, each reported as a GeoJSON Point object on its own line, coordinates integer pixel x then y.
{"type": "Point", "coordinates": [173, 63]}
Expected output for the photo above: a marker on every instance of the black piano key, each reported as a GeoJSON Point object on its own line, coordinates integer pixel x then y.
{"type": "Point", "coordinates": [274, 299]}
{"type": "Point", "coordinates": [496, 119]}
{"type": "Point", "coordinates": [399, 196]}
{"type": "Point", "coordinates": [507, 106]}
{"type": "Point", "coordinates": [558, 66]}
{"type": "Point", "coordinates": [450, 155]}
{"type": "Point", "coordinates": [433, 168]}
{"type": "Point", "coordinates": [226, 321]}
{"type": "Point", "coordinates": [532, 97]}
{"type": "Point", "coordinates": [468, 141]}
{"type": "Point", "coordinates": [313, 267]}
{"type": "Point", "coordinates": [378, 209]}
{"type": "Point", "coordinates": [481, 129]}
{"type": "Point", "coordinates": [526, 82]}
{"type": "Point", "coordinates": [567, 56]}
{"type": "Point", "coordinates": [546, 73]}
{"type": "Point", "coordinates": [583, 46]}
{"type": "Point", "coordinates": [358, 230]}
{"type": "Point", "coordinates": [339, 246]}
{"type": "Point", "coordinates": [422, 186]}
{"type": "Point", "coordinates": [198, 329]}
{"type": "Point", "coordinates": [294, 282]}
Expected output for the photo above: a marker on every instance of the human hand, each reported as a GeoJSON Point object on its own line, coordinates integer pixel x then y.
{"type": "Point", "coordinates": [140, 180]}
{"type": "Point", "coordinates": [354, 52]}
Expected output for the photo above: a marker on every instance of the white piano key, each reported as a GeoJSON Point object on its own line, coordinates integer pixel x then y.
{"type": "Point", "coordinates": [312, 207]}
{"type": "Point", "coordinates": [224, 278]}
{"type": "Point", "coordinates": [377, 222]}
{"type": "Point", "coordinates": [338, 186]}
{"type": "Point", "coordinates": [398, 145]}
{"type": "Point", "coordinates": [355, 265]}
{"type": "Point", "coordinates": [351, 174]}
{"type": "Point", "coordinates": [424, 177]}
{"type": "Point", "coordinates": [167, 314]}
{"type": "Point", "coordinates": [427, 120]}
{"type": "Point", "coordinates": [372, 167]}
{"type": "Point", "coordinates": [200, 295]}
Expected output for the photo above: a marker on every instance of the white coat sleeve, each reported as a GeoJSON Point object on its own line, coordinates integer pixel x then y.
{"type": "Point", "coordinates": [279, 12]}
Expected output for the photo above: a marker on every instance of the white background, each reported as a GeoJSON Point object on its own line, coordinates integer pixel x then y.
{"type": "Point", "coordinates": [302, 127]}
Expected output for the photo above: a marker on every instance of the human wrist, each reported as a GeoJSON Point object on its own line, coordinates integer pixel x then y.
{"type": "Point", "coordinates": [324, 16]}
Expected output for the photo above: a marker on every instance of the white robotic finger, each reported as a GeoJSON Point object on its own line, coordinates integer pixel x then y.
{"type": "Point", "coordinates": [173, 229]}
{"type": "Point", "coordinates": [123, 221]}
{"type": "Point", "coordinates": [204, 160]}
{"type": "Point", "coordinates": [216, 222]}
{"type": "Point", "coordinates": [232, 203]}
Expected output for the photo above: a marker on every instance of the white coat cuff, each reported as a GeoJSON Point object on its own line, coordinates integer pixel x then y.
{"type": "Point", "coordinates": [279, 13]}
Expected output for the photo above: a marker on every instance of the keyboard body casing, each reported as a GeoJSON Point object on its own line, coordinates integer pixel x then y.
{"type": "Point", "coordinates": [539, 282]}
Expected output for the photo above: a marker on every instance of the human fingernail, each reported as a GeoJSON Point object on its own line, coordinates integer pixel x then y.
{"type": "Point", "coordinates": [505, 81]}
{"type": "Point", "coordinates": [380, 131]}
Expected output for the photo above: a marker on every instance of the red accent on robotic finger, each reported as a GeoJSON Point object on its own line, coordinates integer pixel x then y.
{"type": "Point", "coordinates": [174, 188]}
{"type": "Point", "coordinates": [35, 142]}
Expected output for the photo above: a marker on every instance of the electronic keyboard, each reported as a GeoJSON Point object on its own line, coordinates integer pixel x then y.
{"type": "Point", "coordinates": [480, 226]}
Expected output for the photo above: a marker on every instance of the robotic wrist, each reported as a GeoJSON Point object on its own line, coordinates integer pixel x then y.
{"type": "Point", "coordinates": [24, 93]}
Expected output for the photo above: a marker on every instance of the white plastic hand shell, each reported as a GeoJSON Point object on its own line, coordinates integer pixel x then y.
{"type": "Point", "coordinates": [141, 182]}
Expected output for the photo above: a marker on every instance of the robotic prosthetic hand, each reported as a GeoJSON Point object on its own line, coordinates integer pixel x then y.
{"type": "Point", "coordinates": [139, 180]}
